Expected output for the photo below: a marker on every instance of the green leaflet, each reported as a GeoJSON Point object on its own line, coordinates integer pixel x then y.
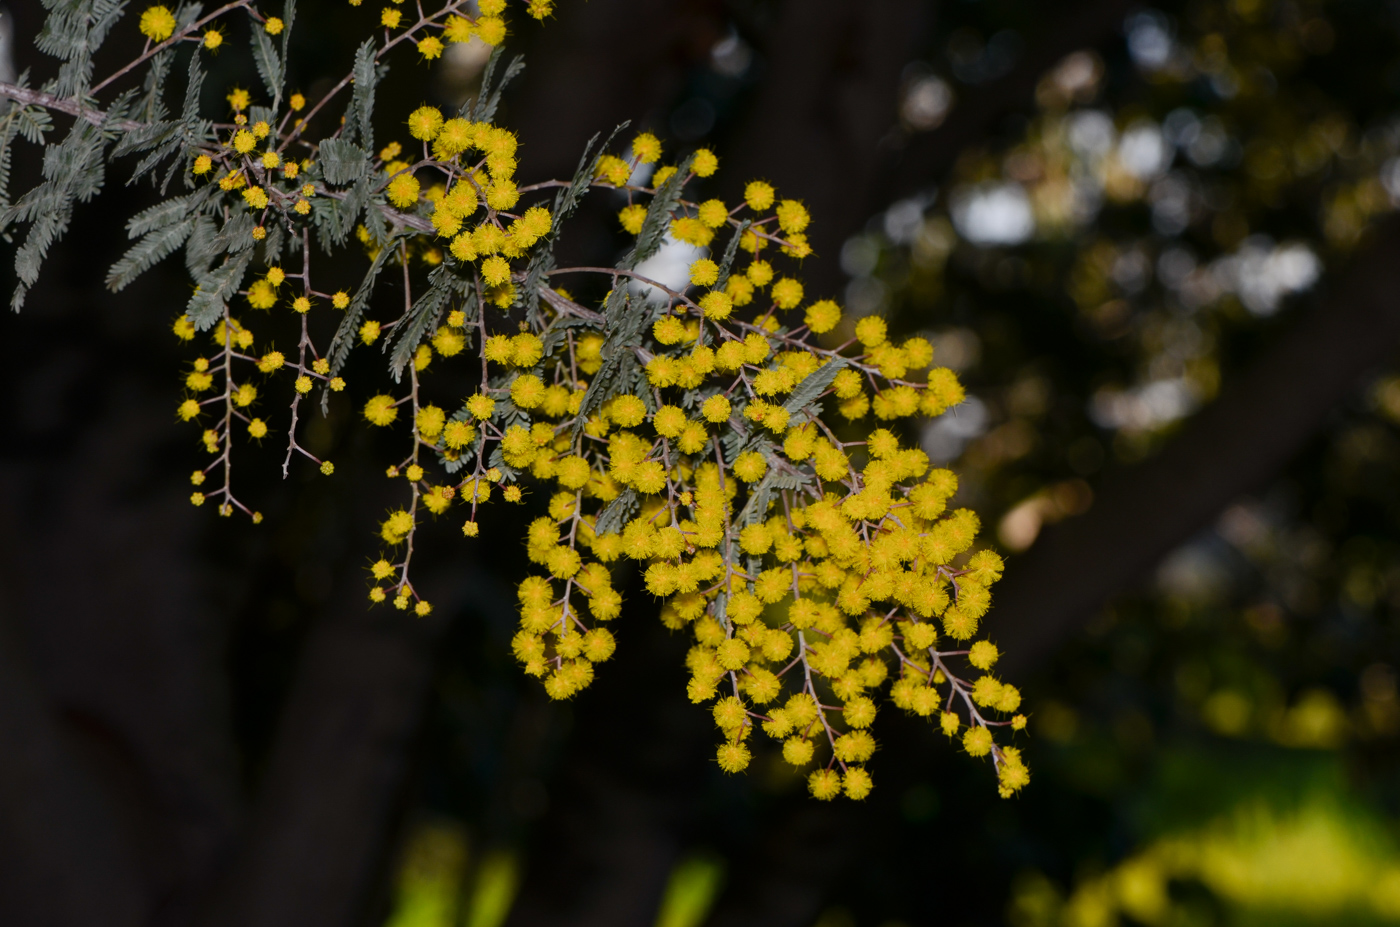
{"type": "Point", "coordinates": [236, 234]}
{"type": "Point", "coordinates": [343, 162]}
{"type": "Point", "coordinates": [773, 482]}
{"type": "Point", "coordinates": [210, 298]}
{"type": "Point", "coordinates": [201, 248]}
{"type": "Point", "coordinates": [567, 199]}
{"type": "Point", "coordinates": [289, 15]}
{"type": "Point", "coordinates": [423, 317]}
{"type": "Point", "coordinates": [74, 170]}
{"type": "Point", "coordinates": [484, 109]}
{"type": "Point", "coordinates": [731, 250]}
{"type": "Point", "coordinates": [619, 368]}
{"type": "Point", "coordinates": [32, 123]}
{"type": "Point", "coordinates": [813, 385]}
{"type": "Point", "coordinates": [151, 249]}
{"type": "Point", "coordinates": [73, 30]}
{"type": "Point", "coordinates": [658, 217]}
{"type": "Point", "coordinates": [349, 327]}
{"type": "Point", "coordinates": [358, 116]}
{"type": "Point", "coordinates": [617, 513]}
{"type": "Point", "coordinates": [269, 63]}
{"type": "Point", "coordinates": [565, 202]}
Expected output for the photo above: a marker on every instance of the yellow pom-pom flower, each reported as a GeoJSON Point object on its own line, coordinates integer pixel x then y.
{"type": "Point", "coordinates": [716, 305]}
{"type": "Point", "coordinates": [380, 410]}
{"type": "Point", "coordinates": [157, 23]}
{"type": "Point", "coordinates": [760, 273]}
{"type": "Point", "coordinates": [824, 784]}
{"type": "Point", "coordinates": [758, 195]}
{"type": "Point", "coordinates": [704, 272]}
{"type": "Point", "coordinates": [871, 331]}
{"type": "Point", "coordinates": [977, 741]}
{"type": "Point", "coordinates": [793, 216]}
{"type": "Point", "coordinates": [750, 466]}
{"type": "Point", "coordinates": [491, 30]}
{"type": "Point", "coordinates": [856, 783]}
{"type": "Point", "coordinates": [705, 163]}
{"type": "Point", "coordinates": [632, 218]}
{"type": "Point", "coordinates": [822, 316]}
{"type": "Point", "coordinates": [430, 47]}
{"type": "Point", "coordinates": [787, 293]}
{"type": "Point", "coordinates": [457, 29]}
{"type": "Point", "coordinates": [646, 148]}
{"type": "Point", "coordinates": [713, 213]}
{"type": "Point", "coordinates": [983, 655]}
{"type": "Point", "coordinates": [403, 190]}
{"type": "Point", "coordinates": [424, 123]}
{"type": "Point", "coordinates": [716, 409]}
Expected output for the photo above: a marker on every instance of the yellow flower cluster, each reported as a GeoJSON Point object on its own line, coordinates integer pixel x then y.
{"type": "Point", "coordinates": [757, 477]}
{"type": "Point", "coordinates": [811, 570]}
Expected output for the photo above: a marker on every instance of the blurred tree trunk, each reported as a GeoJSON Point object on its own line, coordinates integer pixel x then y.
{"type": "Point", "coordinates": [1233, 446]}
{"type": "Point", "coordinates": [825, 114]}
{"type": "Point", "coordinates": [320, 835]}
{"type": "Point", "coordinates": [118, 796]}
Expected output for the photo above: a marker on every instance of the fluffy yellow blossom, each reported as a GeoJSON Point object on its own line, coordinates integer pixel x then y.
{"type": "Point", "coordinates": [713, 213]}
{"type": "Point", "coordinates": [705, 163]}
{"type": "Point", "coordinates": [632, 217]}
{"type": "Point", "coordinates": [424, 123]}
{"type": "Point", "coordinates": [457, 29]}
{"type": "Point", "coordinates": [403, 190]}
{"type": "Point", "coordinates": [822, 316]}
{"type": "Point", "coordinates": [491, 30]}
{"type": "Point", "coordinates": [792, 216]}
{"type": "Point", "coordinates": [786, 293]}
{"type": "Point", "coordinates": [646, 148]}
{"type": "Point", "coordinates": [380, 410]}
{"type": "Point", "coordinates": [704, 272]}
{"type": "Point", "coordinates": [430, 47]}
{"type": "Point", "coordinates": [157, 23]}
{"type": "Point", "coordinates": [758, 195]}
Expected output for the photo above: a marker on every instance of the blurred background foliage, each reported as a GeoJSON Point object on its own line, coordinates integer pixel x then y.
{"type": "Point", "coordinates": [1101, 259]}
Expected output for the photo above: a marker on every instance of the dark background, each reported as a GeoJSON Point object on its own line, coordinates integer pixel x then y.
{"type": "Point", "coordinates": [201, 721]}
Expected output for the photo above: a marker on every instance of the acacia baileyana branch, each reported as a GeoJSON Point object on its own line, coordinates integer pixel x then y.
{"type": "Point", "coordinates": [696, 426]}
{"type": "Point", "coordinates": [30, 97]}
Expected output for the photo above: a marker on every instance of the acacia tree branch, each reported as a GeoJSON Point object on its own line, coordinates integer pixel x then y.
{"type": "Point", "coordinates": [72, 107]}
{"type": "Point", "coordinates": [1232, 447]}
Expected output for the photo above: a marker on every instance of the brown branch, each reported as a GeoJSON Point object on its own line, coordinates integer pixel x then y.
{"type": "Point", "coordinates": [1232, 447]}
{"type": "Point", "coordinates": [64, 105]}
